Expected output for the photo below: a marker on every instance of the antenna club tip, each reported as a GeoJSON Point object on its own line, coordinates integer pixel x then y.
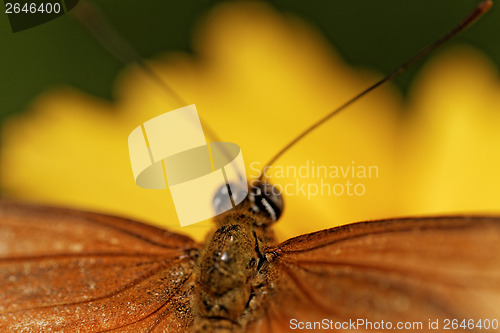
{"type": "Point", "coordinates": [485, 5]}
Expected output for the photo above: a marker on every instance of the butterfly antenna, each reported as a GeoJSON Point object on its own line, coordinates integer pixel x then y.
{"type": "Point", "coordinates": [473, 16]}
{"type": "Point", "coordinates": [110, 39]}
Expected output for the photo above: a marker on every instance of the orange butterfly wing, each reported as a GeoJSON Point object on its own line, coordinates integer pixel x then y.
{"type": "Point", "coordinates": [74, 271]}
{"type": "Point", "coordinates": [400, 270]}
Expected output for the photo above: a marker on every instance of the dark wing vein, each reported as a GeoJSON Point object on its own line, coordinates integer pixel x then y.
{"type": "Point", "coordinates": [411, 269]}
{"type": "Point", "coordinates": [68, 270]}
{"type": "Point", "coordinates": [365, 229]}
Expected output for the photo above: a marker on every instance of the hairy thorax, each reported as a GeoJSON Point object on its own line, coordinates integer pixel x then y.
{"type": "Point", "coordinates": [231, 275]}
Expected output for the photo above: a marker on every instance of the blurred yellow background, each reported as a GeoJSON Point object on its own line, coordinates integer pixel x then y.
{"type": "Point", "coordinates": [259, 85]}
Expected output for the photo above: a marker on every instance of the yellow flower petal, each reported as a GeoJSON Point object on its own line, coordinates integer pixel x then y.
{"type": "Point", "coordinates": [453, 139]}
{"type": "Point", "coordinates": [258, 85]}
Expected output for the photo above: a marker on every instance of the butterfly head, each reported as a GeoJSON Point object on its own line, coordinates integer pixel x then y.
{"type": "Point", "coordinates": [263, 200]}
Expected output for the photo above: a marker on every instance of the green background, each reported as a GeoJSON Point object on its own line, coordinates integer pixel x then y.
{"type": "Point", "coordinates": [374, 34]}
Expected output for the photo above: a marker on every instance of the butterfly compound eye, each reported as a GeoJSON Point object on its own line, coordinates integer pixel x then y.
{"type": "Point", "coordinates": [266, 199]}
{"type": "Point", "coordinates": [221, 203]}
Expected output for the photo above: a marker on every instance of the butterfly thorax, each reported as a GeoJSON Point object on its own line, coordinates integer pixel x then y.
{"type": "Point", "coordinates": [231, 274]}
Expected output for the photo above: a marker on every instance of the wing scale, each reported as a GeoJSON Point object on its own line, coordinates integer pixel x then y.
{"type": "Point", "coordinates": [75, 271]}
{"type": "Point", "coordinates": [412, 269]}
